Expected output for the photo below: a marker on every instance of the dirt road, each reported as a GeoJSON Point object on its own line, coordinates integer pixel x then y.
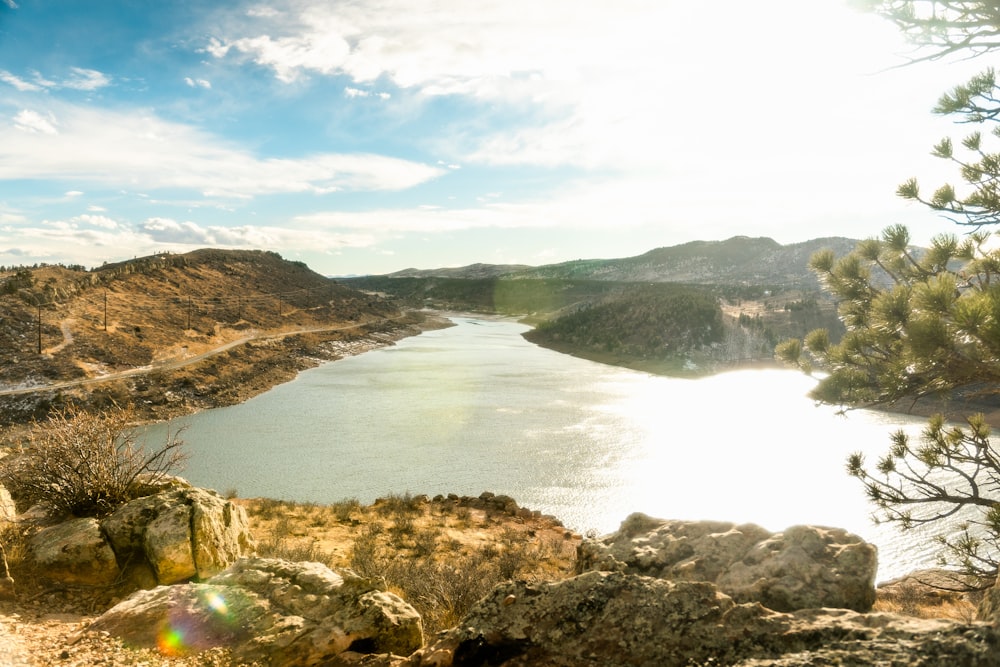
{"type": "Point", "coordinates": [179, 363]}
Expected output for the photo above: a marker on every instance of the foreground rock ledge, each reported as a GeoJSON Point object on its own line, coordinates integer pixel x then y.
{"type": "Point", "coordinates": [270, 611]}
{"type": "Point", "coordinates": [799, 568]}
{"type": "Point", "coordinates": [613, 619]}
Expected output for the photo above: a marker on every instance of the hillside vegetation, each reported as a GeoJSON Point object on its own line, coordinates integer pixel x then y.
{"type": "Point", "coordinates": [69, 325]}
{"type": "Point", "coordinates": [646, 322]}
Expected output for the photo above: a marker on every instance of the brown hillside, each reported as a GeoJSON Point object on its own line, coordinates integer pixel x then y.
{"type": "Point", "coordinates": [122, 331]}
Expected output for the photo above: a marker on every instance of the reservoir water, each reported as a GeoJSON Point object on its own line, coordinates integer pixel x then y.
{"type": "Point", "coordinates": [476, 408]}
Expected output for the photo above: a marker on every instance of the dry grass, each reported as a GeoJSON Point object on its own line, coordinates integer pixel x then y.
{"type": "Point", "coordinates": [929, 594]}
{"type": "Point", "coordinates": [440, 555]}
{"type": "Point", "coordinates": [962, 611]}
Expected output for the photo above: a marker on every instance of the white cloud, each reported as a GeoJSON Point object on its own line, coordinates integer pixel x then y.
{"type": "Point", "coordinates": [91, 240]}
{"type": "Point", "coordinates": [7, 218]}
{"type": "Point", "coordinates": [85, 79]}
{"type": "Point", "coordinates": [262, 12]}
{"type": "Point", "coordinates": [193, 235]}
{"type": "Point", "coordinates": [11, 4]}
{"type": "Point", "coordinates": [79, 79]}
{"type": "Point", "coordinates": [96, 209]}
{"type": "Point", "coordinates": [135, 149]}
{"type": "Point", "coordinates": [17, 82]}
{"type": "Point", "coordinates": [604, 85]}
{"type": "Point", "coordinates": [73, 193]}
{"type": "Point", "coordinates": [101, 221]}
{"type": "Point", "coordinates": [33, 122]}
{"type": "Point", "coordinates": [357, 92]}
{"type": "Point", "coordinates": [322, 52]}
{"type": "Point", "coordinates": [197, 83]}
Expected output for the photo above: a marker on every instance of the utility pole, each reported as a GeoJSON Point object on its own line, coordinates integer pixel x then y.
{"type": "Point", "coordinates": [39, 328]}
{"type": "Point", "coordinates": [189, 313]}
{"type": "Point", "coordinates": [105, 310]}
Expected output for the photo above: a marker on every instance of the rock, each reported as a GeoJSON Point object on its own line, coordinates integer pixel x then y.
{"type": "Point", "coordinates": [220, 533]}
{"type": "Point", "coordinates": [168, 544]}
{"type": "Point", "coordinates": [271, 611]}
{"type": "Point", "coordinates": [612, 619]}
{"type": "Point", "coordinates": [162, 539]}
{"type": "Point", "coordinates": [8, 510]}
{"type": "Point", "coordinates": [183, 533]}
{"type": "Point", "coordinates": [74, 552]}
{"type": "Point", "coordinates": [803, 567]}
{"type": "Point", "coordinates": [148, 484]}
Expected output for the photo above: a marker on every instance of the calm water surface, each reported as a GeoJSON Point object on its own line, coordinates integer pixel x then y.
{"type": "Point", "coordinates": [476, 407]}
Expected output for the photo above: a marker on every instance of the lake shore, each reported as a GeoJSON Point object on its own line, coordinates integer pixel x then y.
{"type": "Point", "coordinates": [230, 378]}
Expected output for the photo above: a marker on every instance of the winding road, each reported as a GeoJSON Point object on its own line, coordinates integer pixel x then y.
{"type": "Point", "coordinates": [179, 363]}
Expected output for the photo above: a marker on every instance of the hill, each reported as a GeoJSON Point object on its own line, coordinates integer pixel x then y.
{"type": "Point", "coordinates": [740, 260]}
{"type": "Point", "coordinates": [646, 311]}
{"type": "Point", "coordinates": [173, 333]}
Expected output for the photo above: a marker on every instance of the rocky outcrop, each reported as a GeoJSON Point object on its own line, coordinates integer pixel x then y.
{"type": "Point", "coordinates": [74, 552]}
{"type": "Point", "coordinates": [616, 619]}
{"type": "Point", "coordinates": [182, 534]}
{"type": "Point", "coordinates": [800, 568]}
{"type": "Point", "coordinates": [270, 611]}
{"type": "Point", "coordinates": [165, 538]}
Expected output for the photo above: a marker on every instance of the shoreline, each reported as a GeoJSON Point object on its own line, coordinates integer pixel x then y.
{"type": "Point", "coordinates": [229, 378]}
{"type": "Point", "coordinates": [308, 351]}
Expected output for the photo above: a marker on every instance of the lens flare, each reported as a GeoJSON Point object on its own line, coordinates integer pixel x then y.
{"type": "Point", "coordinates": [192, 628]}
{"type": "Point", "coordinates": [170, 641]}
{"type": "Point", "coordinates": [217, 603]}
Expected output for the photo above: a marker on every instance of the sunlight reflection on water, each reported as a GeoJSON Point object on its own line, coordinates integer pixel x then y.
{"type": "Point", "coordinates": [475, 407]}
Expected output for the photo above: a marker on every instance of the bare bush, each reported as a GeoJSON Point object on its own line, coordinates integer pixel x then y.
{"type": "Point", "coordinates": [345, 508]}
{"type": "Point", "coordinates": [295, 550]}
{"type": "Point", "coordinates": [86, 464]}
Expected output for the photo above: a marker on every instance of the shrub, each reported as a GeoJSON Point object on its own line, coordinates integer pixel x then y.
{"type": "Point", "coordinates": [294, 550]}
{"type": "Point", "coordinates": [399, 505]}
{"type": "Point", "coordinates": [87, 464]}
{"type": "Point", "coordinates": [344, 508]}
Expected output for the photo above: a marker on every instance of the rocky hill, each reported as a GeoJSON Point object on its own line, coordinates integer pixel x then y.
{"type": "Point", "coordinates": [741, 260]}
{"type": "Point", "coordinates": [173, 333]}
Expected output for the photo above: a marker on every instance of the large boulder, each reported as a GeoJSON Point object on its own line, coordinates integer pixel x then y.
{"type": "Point", "coordinates": [800, 568]}
{"type": "Point", "coordinates": [74, 552]}
{"type": "Point", "coordinates": [181, 534]}
{"type": "Point", "coordinates": [270, 611]}
{"type": "Point", "coordinates": [612, 619]}
{"type": "Point", "coordinates": [166, 538]}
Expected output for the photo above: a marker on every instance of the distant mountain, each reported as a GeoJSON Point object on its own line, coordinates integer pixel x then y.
{"type": "Point", "coordinates": [741, 260]}
{"type": "Point", "coordinates": [470, 272]}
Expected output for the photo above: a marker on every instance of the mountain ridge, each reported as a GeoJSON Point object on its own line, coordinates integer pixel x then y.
{"type": "Point", "coordinates": [737, 260]}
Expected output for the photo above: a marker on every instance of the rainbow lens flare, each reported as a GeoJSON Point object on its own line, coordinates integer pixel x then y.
{"type": "Point", "coordinates": [189, 628]}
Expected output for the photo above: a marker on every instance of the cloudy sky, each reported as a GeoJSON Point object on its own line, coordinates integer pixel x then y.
{"type": "Point", "coordinates": [367, 136]}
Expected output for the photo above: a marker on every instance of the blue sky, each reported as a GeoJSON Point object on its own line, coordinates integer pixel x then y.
{"type": "Point", "coordinates": [367, 136]}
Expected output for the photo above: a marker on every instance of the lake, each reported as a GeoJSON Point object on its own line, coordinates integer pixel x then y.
{"type": "Point", "coordinates": [476, 408]}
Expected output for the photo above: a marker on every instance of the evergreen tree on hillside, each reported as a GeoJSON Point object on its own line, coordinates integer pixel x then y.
{"type": "Point", "coordinates": [928, 323]}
